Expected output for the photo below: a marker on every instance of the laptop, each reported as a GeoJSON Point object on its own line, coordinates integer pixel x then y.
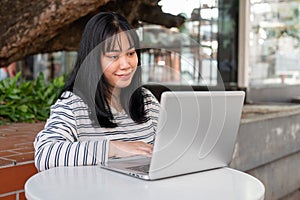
{"type": "Point", "coordinates": [196, 132]}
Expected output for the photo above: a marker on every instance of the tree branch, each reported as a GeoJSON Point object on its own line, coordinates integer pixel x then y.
{"type": "Point", "coordinates": [34, 26]}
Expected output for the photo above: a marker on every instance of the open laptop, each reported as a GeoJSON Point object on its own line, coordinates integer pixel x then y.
{"type": "Point", "coordinates": [196, 131]}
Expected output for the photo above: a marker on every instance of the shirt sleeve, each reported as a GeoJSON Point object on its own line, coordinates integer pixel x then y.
{"type": "Point", "coordinates": [57, 144]}
{"type": "Point", "coordinates": [152, 107]}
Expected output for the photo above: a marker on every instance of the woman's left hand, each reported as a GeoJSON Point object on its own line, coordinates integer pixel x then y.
{"type": "Point", "coordinates": [125, 149]}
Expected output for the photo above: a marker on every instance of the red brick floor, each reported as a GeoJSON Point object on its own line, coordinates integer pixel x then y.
{"type": "Point", "coordinates": [16, 143]}
{"type": "Point", "coordinates": [16, 158]}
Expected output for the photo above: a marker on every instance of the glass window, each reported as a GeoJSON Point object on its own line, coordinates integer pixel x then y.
{"type": "Point", "coordinates": [201, 52]}
{"type": "Point", "coordinates": [53, 64]}
{"type": "Point", "coordinates": [274, 42]}
{"type": "Point", "coordinates": [228, 41]}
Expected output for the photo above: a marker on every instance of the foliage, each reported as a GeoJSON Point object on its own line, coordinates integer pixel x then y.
{"type": "Point", "coordinates": [27, 101]}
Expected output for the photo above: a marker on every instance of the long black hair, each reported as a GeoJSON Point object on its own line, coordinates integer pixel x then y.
{"type": "Point", "coordinates": [87, 79]}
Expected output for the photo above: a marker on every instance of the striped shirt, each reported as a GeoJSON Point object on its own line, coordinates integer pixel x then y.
{"type": "Point", "coordinates": [70, 139]}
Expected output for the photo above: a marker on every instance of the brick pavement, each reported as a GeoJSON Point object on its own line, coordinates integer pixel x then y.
{"type": "Point", "coordinates": [16, 158]}
{"type": "Point", "coordinates": [16, 143]}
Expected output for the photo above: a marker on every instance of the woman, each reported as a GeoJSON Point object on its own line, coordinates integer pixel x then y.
{"type": "Point", "coordinates": [102, 110]}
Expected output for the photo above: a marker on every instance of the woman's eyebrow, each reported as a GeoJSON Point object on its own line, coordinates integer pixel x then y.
{"type": "Point", "coordinates": [119, 50]}
{"type": "Point", "coordinates": [130, 48]}
{"type": "Point", "coordinates": [114, 50]}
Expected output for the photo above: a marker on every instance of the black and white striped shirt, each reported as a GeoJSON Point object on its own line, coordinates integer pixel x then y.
{"type": "Point", "coordinates": [70, 139]}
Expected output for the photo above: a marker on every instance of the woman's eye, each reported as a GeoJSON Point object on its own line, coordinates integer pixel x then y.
{"type": "Point", "coordinates": [113, 57]}
{"type": "Point", "coordinates": [132, 53]}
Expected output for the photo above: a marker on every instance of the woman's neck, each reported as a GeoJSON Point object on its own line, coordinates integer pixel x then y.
{"type": "Point", "coordinates": [116, 92]}
{"type": "Point", "coordinates": [114, 99]}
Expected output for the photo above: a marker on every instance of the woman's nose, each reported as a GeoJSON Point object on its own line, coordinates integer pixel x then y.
{"type": "Point", "coordinates": [124, 62]}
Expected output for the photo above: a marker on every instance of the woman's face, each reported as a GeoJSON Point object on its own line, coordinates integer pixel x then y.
{"type": "Point", "coordinates": [119, 64]}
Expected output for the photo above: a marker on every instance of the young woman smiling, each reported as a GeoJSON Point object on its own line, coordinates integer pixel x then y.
{"type": "Point", "coordinates": [102, 111]}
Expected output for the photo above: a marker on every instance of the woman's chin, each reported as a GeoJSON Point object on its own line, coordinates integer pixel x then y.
{"type": "Point", "coordinates": [123, 84]}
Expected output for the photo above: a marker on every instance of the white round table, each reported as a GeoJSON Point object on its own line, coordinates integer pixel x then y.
{"type": "Point", "coordinates": [92, 182]}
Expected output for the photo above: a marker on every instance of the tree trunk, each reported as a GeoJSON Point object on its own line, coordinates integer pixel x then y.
{"type": "Point", "coordinates": [38, 26]}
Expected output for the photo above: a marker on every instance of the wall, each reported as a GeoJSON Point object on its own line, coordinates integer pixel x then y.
{"type": "Point", "coordinates": [268, 147]}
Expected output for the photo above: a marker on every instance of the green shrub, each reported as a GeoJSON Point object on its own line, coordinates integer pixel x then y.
{"type": "Point", "coordinates": [27, 101]}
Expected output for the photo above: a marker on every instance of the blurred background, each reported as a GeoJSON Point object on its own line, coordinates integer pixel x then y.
{"type": "Point", "coordinates": [249, 45]}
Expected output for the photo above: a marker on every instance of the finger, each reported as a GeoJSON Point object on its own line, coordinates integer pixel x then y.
{"type": "Point", "coordinates": [145, 153]}
{"type": "Point", "coordinates": [148, 145]}
{"type": "Point", "coordinates": [146, 150]}
{"type": "Point", "coordinates": [145, 146]}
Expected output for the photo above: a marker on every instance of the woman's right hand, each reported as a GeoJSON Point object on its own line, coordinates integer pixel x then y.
{"type": "Point", "coordinates": [126, 149]}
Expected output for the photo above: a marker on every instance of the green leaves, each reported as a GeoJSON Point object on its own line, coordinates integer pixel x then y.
{"type": "Point", "coordinates": [27, 101]}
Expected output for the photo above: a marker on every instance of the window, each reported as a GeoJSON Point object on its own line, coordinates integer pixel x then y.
{"type": "Point", "coordinates": [203, 52]}
{"type": "Point", "coordinates": [274, 54]}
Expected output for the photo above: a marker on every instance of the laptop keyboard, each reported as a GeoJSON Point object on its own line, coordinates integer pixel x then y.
{"type": "Point", "coordinates": [140, 168]}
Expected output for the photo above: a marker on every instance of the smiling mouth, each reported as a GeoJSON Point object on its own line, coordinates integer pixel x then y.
{"type": "Point", "coordinates": [124, 76]}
